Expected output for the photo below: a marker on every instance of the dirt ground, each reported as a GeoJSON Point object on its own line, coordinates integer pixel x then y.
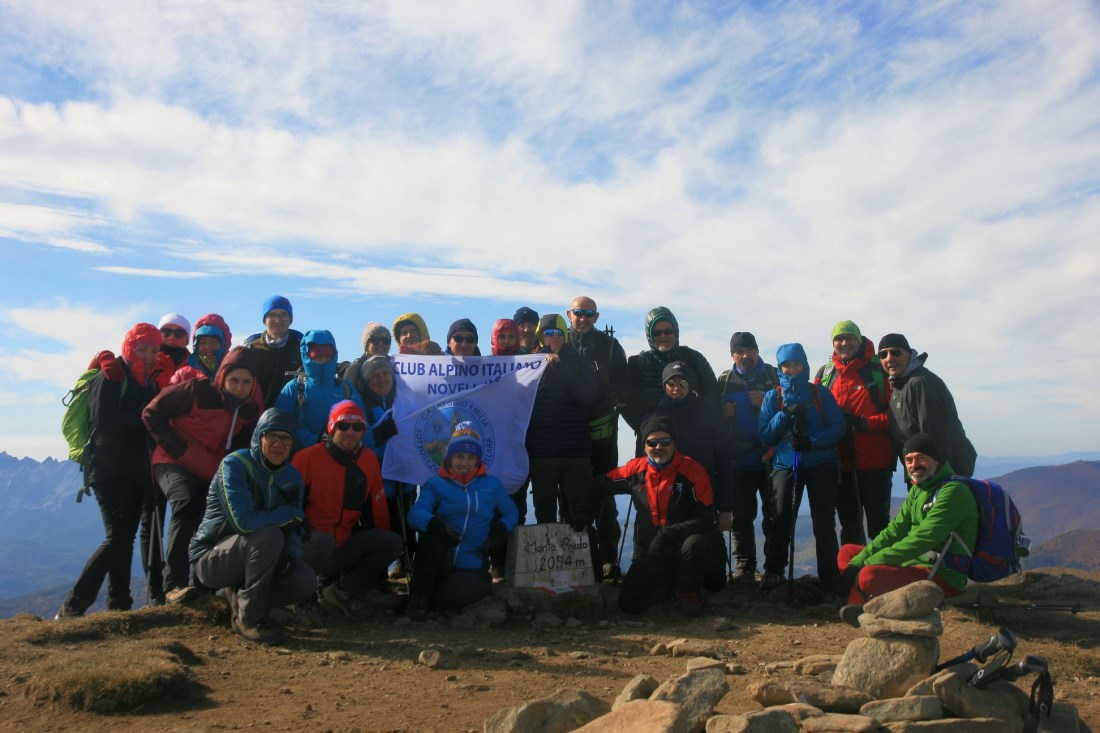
{"type": "Point", "coordinates": [365, 676]}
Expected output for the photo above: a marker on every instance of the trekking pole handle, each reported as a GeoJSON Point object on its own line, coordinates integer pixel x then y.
{"type": "Point", "coordinates": [1003, 640]}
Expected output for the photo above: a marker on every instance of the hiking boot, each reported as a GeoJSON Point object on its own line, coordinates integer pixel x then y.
{"type": "Point", "coordinates": [743, 576]}
{"type": "Point", "coordinates": [850, 614]}
{"type": "Point", "coordinates": [770, 581]}
{"type": "Point", "coordinates": [230, 595]}
{"type": "Point", "coordinates": [260, 633]}
{"type": "Point", "coordinates": [67, 611]}
{"type": "Point", "coordinates": [398, 570]}
{"type": "Point", "coordinates": [335, 599]}
{"type": "Point", "coordinates": [183, 594]}
{"type": "Point", "coordinates": [419, 606]}
{"type": "Point", "coordinates": [690, 603]}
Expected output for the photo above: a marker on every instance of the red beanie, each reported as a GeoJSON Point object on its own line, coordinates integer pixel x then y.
{"type": "Point", "coordinates": [344, 411]}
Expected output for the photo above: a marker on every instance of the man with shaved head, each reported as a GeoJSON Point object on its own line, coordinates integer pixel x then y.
{"type": "Point", "coordinates": [608, 360]}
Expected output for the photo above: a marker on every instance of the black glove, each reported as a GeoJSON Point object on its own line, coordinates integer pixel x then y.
{"type": "Point", "coordinates": [800, 442]}
{"type": "Point", "coordinates": [443, 532]}
{"type": "Point", "coordinates": [661, 543]}
{"type": "Point", "coordinates": [385, 431]}
{"type": "Point", "coordinates": [856, 424]}
{"type": "Point", "coordinates": [498, 533]}
{"type": "Point", "coordinates": [285, 566]}
{"type": "Point", "coordinates": [795, 411]}
{"type": "Point", "coordinates": [579, 525]}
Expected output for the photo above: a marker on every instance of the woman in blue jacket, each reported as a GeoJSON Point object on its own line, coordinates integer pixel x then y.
{"type": "Point", "coordinates": [802, 423]}
{"type": "Point", "coordinates": [311, 394]}
{"type": "Point", "coordinates": [454, 515]}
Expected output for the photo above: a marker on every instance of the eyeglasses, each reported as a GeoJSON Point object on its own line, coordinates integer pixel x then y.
{"type": "Point", "coordinates": [664, 332]}
{"type": "Point", "coordinates": [584, 312]}
{"type": "Point", "coordinates": [676, 382]}
{"type": "Point", "coordinates": [553, 332]}
{"type": "Point", "coordinates": [464, 339]}
{"type": "Point", "coordinates": [379, 340]}
{"type": "Point", "coordinates": [277, 316]}
{"type": "Point", "coordinates": [355, 427]}
{"type": "Point", "coordinates": [654, 442]}
{"type": "Point", "coordinates": [890, 352]}
{"type": "Point", "coordinates": [280, 438]}
{"type": "Point", "coordinates": [177, 333]}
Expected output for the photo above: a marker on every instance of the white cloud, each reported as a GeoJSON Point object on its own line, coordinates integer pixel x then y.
{"type": "Point", "coordinates": [151, 272]}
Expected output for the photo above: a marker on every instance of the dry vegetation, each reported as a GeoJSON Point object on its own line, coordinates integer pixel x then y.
{"type": "Point", "coordinates": [181, 669]}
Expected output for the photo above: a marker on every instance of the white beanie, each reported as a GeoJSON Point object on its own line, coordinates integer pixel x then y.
{"type": "Point", "coordinates": [175, 319]}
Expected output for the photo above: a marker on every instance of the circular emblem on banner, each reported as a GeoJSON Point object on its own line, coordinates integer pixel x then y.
{"type": "Point", "coordinates": [435, 424]}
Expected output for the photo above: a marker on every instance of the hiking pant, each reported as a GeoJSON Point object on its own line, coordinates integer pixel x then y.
{"type": "Point", "coordinates": [700, 563]}
{"type": "Point", "coordinates": [498, 555]}
{"type": "Point", "coordinates": [564, 481]}
{"type": "Point", "coordinates": [359, 563]}
{"type": "Point", "coordinates": [187, 495]}
{"type": "Point", "coordinates": [746, 485]}
{"type": "Point", "coordinates": [820, 483]}
{"type": "Point", "coordinates": [450, 588]}
{"type": "Point", "coordinates": [248, 562]}
{"type": "Point", "coordinates": [874, 580]}
{"type": "Point", "coordinates": [151, 538]}
{"type": "Point", "coordinates": [120, 500]}
{"type": "Point", "coordinates": [874, 495]}
{"type": "Point", "coordinates": [605, 456]}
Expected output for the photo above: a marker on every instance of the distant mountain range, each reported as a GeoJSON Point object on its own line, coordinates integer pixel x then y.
{"type": "Point", "coordinates": [46, 536]}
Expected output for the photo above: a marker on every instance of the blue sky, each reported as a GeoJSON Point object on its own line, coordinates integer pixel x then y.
{"type": "Point", "coordinates": [925, 168]}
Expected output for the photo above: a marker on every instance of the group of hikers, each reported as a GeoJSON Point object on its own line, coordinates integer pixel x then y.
{"type": "Point", "coordinates": [269, 455]}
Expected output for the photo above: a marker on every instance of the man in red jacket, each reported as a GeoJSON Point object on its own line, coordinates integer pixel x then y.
{"type": "Point", "coordinates": [857, 381]}
{"type": "Point", "coordinates": [350, 544]}
{"type": "Point", "coordinates": [678, 549]}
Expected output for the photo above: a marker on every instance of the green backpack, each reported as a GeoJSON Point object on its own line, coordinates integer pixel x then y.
{"type": "Point", "coordinates": [74, 423]}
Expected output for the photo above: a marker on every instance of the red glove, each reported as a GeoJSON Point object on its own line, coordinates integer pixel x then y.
{"type": "Point", "coordinates": [106, 362]}
{"type": "Point", "coordinates": [163, 369]}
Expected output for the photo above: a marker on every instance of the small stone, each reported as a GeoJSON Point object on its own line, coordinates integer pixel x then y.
{"type": "Point", "coordinates": [832, 698]}
{"type": "Point", "coordinates": [930, 625]}
{"type": "Point", "coordinates": [886, 666]}
{"type": "Point", "coordinates": [772, 720]}
{"type": "Point", "coordinates": [638, 716]}
{"type": "Point", "coordinates": [639, 688]}
{"type": "Point", "coordinates": [969, 702]}
{"type": "Point", "coordinates": [816, 664]}
{"type": "Point", "coordinates": [697, 692]}
{"type": "Point", "coordinates": [704, 663]}
{"type": "Point", "coordinates": [722, 623]}
{"type": "Point", "coordinates": [430, 658]}
{"type": "Point", "coordinates": [839, 723]}
{"type": "Point", "coordinates": [918, 707]}
{"type": "Point", "coordinates": [452, 678]}
{"type": "Point", "coordinates": [658, 649]}
{"type": "Point", "coordinates": [924, 687]}
{"type": "Point", "coordinates": [735, 668]}
{"type": "Point", "coordinates": [580, 655]}
{"type": "Point", "coordinates": [546, 620]}
{"type": "Point", "coordinates": [909, 601]}
{"type": "Point", "coordinates": [564, 710]}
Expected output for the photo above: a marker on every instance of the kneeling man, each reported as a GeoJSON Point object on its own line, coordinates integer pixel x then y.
{"type": "Point", "coordinates": [937, 514]}
{"type": "Point", "coordinates": [678, 549]}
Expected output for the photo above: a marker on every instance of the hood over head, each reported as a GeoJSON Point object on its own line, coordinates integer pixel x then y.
{"type": "Point", "coordinates": [655, 316]}
{"type": "Point", "coordinates": [504, 325]}
{"type": "Point", "coordinates": [271, 420]}
{"type": "Point", "coordinates": [324, 373]}
{"type": "Point", "coordinates": [416, 320]}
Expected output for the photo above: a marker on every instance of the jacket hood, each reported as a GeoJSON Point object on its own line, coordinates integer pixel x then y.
{"type": "Point", "coordinates": [213, 319]}
{"type": "Point", "coordinates": [660, 313]}
{"type": "Point", "coordinates": [273, 419]}
{"type": "Point", "coordinates": [323, 373]}
{"type": "Point", "coordinates": [552, 320]}
{"type": "Point", "coordinates": [239, 357]}
{"type": "Point", "coordinates": [139, 333]}
{"type": "Point", "coordinates": [504, 325]}
{"type": "Point", "coordinates": [416, 320]}
{"type": "Point", "coordinates": [798, 384]}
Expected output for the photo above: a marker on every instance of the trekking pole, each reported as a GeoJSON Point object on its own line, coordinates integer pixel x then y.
{"type": "Point", "coordinates": [399, 490]}
{"type": "Point", "coordinates": [1073, 608]}
{"type": "Point", "coordinates": [1003, 641]}
{"type": "Point", "coordinates": [794, 521]}
{"type": "Point", "coordinates": [622, 540]}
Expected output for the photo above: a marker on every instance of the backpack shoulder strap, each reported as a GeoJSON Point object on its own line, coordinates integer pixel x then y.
{"type": "Point", "coordinates": [826, 373]}
{"type": "Point", "coordinates": [346, 386]}
{"type": "Point", "coordinates": [874, 380]}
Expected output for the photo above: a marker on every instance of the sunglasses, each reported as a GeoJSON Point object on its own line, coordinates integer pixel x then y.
{"type": "Point", "coordinates": [355, 427]}
{"type": "Point", "coordinates": [281, 438]}
{"type": "Point", "coordinates": [379, 340]}
{"type": "Point", "coordinates": [584, 312]}
{"type": "Point", "coordinates": [890, 352]}
{"type": "Point", "coordinates": [664, 332]}
{"type": "Point", "coordinates": [169, 333]}
{"type": "Point", "coordinates": [464, 339]}
{"type": "Point", "coordinates": [676, 382]}
{"type": "Point", "coordinates": [654, 442]}
{"type": "Point", "coordinates": [553, 332]}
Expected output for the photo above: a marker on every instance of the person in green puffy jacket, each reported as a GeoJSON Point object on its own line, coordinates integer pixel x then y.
{"type": "Point", "coordinates": [937, 514]}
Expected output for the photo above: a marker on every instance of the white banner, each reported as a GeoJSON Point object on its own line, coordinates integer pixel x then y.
{"type": "Point", "coordinates": [435, 393]}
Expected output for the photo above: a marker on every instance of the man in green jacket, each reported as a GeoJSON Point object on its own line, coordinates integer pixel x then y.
{"type": "Point", "coordinates": [937, 513]}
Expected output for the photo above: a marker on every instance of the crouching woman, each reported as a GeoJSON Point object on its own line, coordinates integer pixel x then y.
{"type": "Point", "coordinates": [455, 517]}
{"type": "Point", "coordinates": [249, 542]}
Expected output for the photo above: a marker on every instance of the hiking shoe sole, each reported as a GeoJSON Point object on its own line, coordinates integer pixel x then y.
{"type": "Point", "coordinates": [850, 615]}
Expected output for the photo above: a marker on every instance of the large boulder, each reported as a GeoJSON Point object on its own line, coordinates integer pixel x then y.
{"type": "Point", "coordinates": [886, 666]}
{"type": "Point", "coordinates": [909, 601]}
{"type": "Point", "coordinates": [697, 692]}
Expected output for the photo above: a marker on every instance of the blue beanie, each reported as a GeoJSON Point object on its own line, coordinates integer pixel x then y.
{"type": "Point", "coordinates": [277, 302]}
{"type": "Point", "coordinates": [464, 439]}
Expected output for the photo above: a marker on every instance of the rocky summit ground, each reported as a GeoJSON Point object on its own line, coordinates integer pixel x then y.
{"type": "Point", "coordinates": [181, 669]}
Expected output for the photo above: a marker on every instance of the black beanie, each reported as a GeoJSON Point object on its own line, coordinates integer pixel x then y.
{"type": "Point", "coordinates": [742, 340]}
{"type": "Point", "coordinates": [462, 324]}
{"type": "Point", "coordinates": [922, 443]}
{"type": "Point", "coordinates": [657, 423]}
{"type": "Point", "coordinates": [525, 315]}
{"type": "Point", "coordinates": [894, 340]}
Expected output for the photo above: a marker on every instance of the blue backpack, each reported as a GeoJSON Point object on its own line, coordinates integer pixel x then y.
{"type": "Point", "coordinates": [1000, 540]}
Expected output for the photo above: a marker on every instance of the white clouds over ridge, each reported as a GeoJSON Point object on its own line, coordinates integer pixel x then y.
{"type": "Point", "coordinates": [800, 164]}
